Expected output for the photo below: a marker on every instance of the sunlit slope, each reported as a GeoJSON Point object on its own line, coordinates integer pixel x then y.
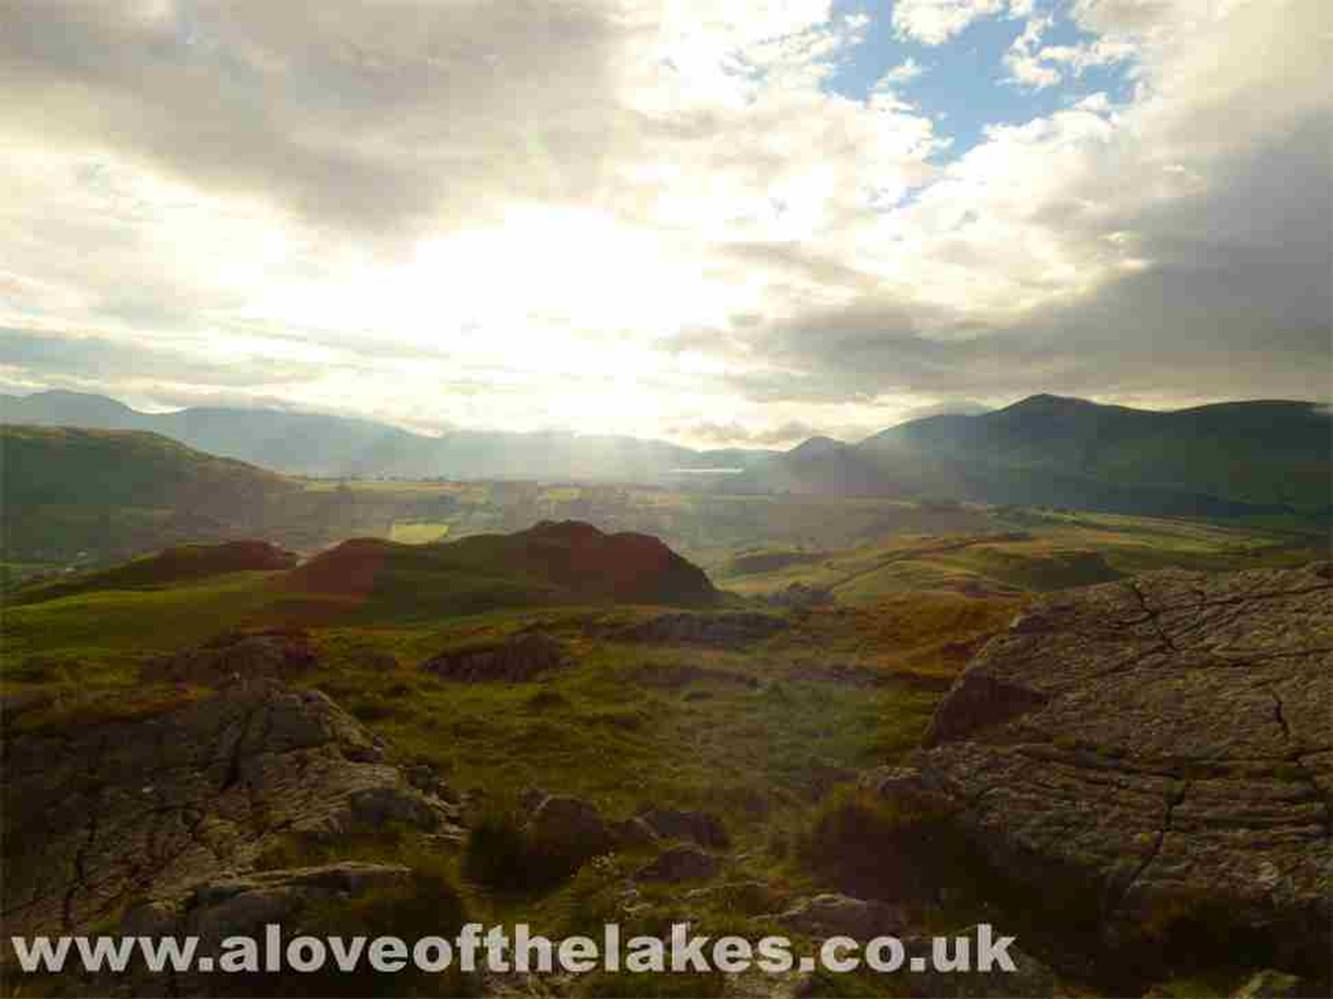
{"type": "Point", "coordinates": [181, 564]}
{"type": "Point", "coordinates": [1026, 551]}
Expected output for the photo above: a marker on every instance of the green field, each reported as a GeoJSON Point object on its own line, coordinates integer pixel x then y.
{"type": "Point", "coordinates": [417, 533]}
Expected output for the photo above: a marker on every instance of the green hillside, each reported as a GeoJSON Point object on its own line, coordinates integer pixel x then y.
{"type": "Point", "coordinates": [68, 490]}
{"type": "Point", "coordinates": [1229, 459]}
{"type": "Point", "coordinates": [1024, 551]}
{"type": "Point", "coordinates": [184, 563]}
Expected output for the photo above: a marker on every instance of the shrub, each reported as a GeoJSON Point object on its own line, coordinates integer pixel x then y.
{"type": "Point", "coordinates": [903, 848]}
{"type": "Point", "coordinates": [496, 853]}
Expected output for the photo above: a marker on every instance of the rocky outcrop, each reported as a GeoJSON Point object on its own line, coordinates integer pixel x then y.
{"type": "Point", "coordinates": [243, 904]}
{"type": "Point", "coordinates": [115, 810]}
{"type": "Point", "coordinates": [515, 659]}
{"type": "Point", "coordinates": [346, 898]}
{"type": "Point", "coordinates": [1152, 761]}
{"type": "Point", "coordinates": [239, 655]}
{"type": "Point", "coordinates": [560, 833]}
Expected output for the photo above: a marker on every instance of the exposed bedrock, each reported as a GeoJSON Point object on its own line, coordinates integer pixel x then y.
{"type": "Point", "coordinates": [113, 812]}
{"type": "Point", "coordinates": [1148, 765]}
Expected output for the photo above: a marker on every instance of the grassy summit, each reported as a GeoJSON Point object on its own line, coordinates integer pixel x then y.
{"type": "Point", "coordinates": [550, 563]}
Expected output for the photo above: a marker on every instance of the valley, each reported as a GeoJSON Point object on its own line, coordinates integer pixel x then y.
{"type": "Point", "coordinates": [494, 689]}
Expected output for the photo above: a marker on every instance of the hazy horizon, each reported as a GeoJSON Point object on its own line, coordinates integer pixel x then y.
{"type": "Point", "coordinates": [780, 441]}
{"type": "Point", "coordinates": [738, 224]}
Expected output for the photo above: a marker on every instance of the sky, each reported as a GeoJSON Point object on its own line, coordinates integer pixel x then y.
{"type": "Point", "coordinates": [720, 222]}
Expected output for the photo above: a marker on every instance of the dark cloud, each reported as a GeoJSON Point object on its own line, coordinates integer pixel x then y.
{"type": "Point", "coordinates": [385, 117]}
{"type": "Point", "coordinates": [1234, 301]}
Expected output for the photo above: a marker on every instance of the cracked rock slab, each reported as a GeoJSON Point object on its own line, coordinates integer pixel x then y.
{"type": "Point", "coordinates": [1166, 743]}
{"type": "Point", "coordinates": [111, 813]}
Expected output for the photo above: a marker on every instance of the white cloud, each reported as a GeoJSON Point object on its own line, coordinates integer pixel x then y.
{"type": "Point", "coordinates": [1099, 103]}
{"type": "Point", "coordinates": [1023, 59]}
{"type": "Point", "coordinates": [642, 211]}
{"type": "Point", "coordinates": [934, 22]}
{"type": "Point", "coordinates": [1033, 65]}
{"type": "Point", "coordinates": [904, 72]}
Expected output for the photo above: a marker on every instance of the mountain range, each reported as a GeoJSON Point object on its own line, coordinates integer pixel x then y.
{"type": "Point", "coordinates": [338, 446]}
{"type": "Point", "coordinates": [1224, 459]}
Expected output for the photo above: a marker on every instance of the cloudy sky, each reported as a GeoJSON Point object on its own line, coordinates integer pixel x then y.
{"type": "Point", "coordinates": [706, 220]}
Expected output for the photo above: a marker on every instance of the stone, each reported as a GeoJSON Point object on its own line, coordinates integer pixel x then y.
{"type": "Point", "coordinates": [833, 914]}
{"type": "Point", "coordinates": [632, 832]}
{"type": "Point", "coordinates": [679, 863]}
{"type": "Point", "coordinates": [1152, 758]}
{"type": "Point", "coordinates": [237, 656]}
{"type": "Point", "coordinates": [345, 898]}
{"type": "Point", "coordinates": [241, 905]}
{"type": "Point", "coordinates": [569, 828]}
{"type": "Point", "coordinates": [700, 827]}
{"type": "Point", "coordinates": [113, 810]}
{"type": "Point", "coordinates": [516, 659]}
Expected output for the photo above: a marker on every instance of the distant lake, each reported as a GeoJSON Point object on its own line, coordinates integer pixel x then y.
{"type": "Point", "coordinates": [705, 471]}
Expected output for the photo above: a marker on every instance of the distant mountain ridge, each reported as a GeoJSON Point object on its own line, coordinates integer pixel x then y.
{"type": "Point", "coordinates": [1216, 460]}
{"type": "Point", "coordinates": [1224, 459]}
{"type": "Point", "coordinates": [315, 444]}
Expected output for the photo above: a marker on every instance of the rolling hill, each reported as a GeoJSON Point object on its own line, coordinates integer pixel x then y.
{"type": "Point", "coordinates": [69, 490]}
{"type": "Point", "coordinates": [1262, 458]}
{"type": "Point", "coordinates": [181, 564]}
{"type": "Point", "coordinates": [1275, 453]}
{"type": "Point", "coordinates": [550, 563]}
{"type": "Point", "coordinates": [1230, 459]}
